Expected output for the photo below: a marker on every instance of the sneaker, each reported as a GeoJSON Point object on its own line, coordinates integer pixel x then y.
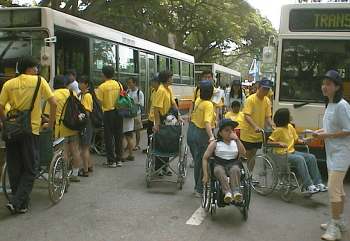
{"type": "Point", "coordinates": [11, 208]}
{"type": "Point", "coordinates": [22, 210]}
{"type": "Point", "coordinates": [341, 225]}
{"type": "Point", "coordinates": [237, 197]}
{"type": "Point", "coordinates": [322, 187]}
{"type": "Point", "coordinates": [332, 233]}
{"type": "Point", "coordinates": [312, 189]}
{"type": "Point", "coordinates": [74, 179]}
{"type": "Point", "coordinates": [118, 164]}
{"type": "Point", "coordinates": [228, 198]}
{"type": "Point", "coordinates": [112, 165]}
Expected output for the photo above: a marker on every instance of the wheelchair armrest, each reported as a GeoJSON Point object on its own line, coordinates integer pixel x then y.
{"type": "Point", "coordinates": [273, 145]}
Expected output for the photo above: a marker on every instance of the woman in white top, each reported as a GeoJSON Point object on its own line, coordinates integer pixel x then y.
{"type": "Point", "coordinates": [236, 94]}
{"type": "Point", "coordinates": [336, 134]}
{"type": "Point", "coordinates": [226, 150]}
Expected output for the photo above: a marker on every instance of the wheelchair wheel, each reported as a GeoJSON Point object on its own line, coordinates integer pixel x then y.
{"type": "Point", "coordinates": [264, 179]}
{"type": "Point", "coordinates": [5, 182]}
{"type": "Point", "coordinates": [206, 198]}
{"type": "Point", "coordinates": [98, 144]}
{"type": "Point", "coordinates": [149, 169]}
{"type": "Point", "coordinates": [57, 178]}
{"type": "Point", "coordinates": [246, 198]}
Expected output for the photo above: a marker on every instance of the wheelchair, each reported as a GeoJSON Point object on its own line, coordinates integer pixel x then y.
{"type": "Point", "coordinates": [52, 168]}
{"type": "Point", "coordinates": [272, 172]}
{"type": "Point", "coordinates": [213, 196]}
{"type": "Point", "coordinates": [98, 144]}
{"type": "Point", "coordinates": [167, 146]}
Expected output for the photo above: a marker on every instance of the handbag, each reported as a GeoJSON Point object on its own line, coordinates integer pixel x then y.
{"type": "Point", "coordinates": [19, 123]}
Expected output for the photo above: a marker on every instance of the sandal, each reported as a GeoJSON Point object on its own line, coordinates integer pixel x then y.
{"type": "Point", "coordinates": [83, 173]}
{"type": "Point", "coordinates": [90, 169]}
{"type": "Point", "coordinates": [136, 148]}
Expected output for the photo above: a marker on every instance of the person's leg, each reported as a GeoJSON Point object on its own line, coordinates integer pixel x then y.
{"type": "Point", "coordinates": [311, 163]}
{"type": "Point", "coordinates": [108, 136]}
{"type": "Point", "coordinates": [251, 158]}
{"type": "Point", "coordinates": [14, 165]}
{"type": "Point", "coordinates": [74, 151]}
{"type": "Point", "coordinates": [336, 193]}
{"type": "Point", "coordinates": [298, 161]}
{"type": "Point", "coordinates": [29, 149]}
{"type": "Point", "coordinates": [235, 178]}
{"type": "Point", "coordinates": [85, 155]}
{"type": "Point", "coordinates": [118, 137]}
{"type": "Point", "coordinates": [220, 174]}
{"type": "Point", "coordinates": [130, 146]}
{"type": "Point", "coordinates": [201, 145]}
{"type": "Point", "coordinates": [192, 138]}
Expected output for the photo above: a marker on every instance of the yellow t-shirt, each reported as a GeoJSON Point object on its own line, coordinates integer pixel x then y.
{"type": "Point", "coordinates": [203, 112]}
{"type": "Point", "coordinates": [286, 135]}
{"type": "Point", "coordinates": [86, 101]}
{"type": "Point", "coordinates": [238, 117]}
{"type": "Point", "coordinates": [163, 99]}
{"type": "Point", "coordinates": [18, 93]}
{"type": "Point", "coordinates": [107, 93]}
{"type": "Point", "coordinates": [61, 130]}
{"type": "Point", "coordinates": [259, 110]}
{"type": "Point", "coordinates": [151, 110]}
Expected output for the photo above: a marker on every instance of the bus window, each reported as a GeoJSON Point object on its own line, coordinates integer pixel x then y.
{"type": "Point", "coordinates": [305, 61]}
{"type": "Point", "coordinates": [161, 63]}
{"type": "Point", "coordinates": [175, 69]}
{"type": "Point", "coordinates": [128, 60]}
{"type": "Point", "coordinates": [104, 53]}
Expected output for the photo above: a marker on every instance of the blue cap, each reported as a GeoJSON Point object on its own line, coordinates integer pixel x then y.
{"type": "Point", "coordinates": [227, 122]}
{"type": "Point", "coordinates": [266, 83]}
{"type": "Point", "coordinates": [334, 76]}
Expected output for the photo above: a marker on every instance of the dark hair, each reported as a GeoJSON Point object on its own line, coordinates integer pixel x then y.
{"type": "Point", "coordinates": [26, 63]}
{"type": "Point", "coordinates": [232, 92]}
{"type": "Point", "coordinates": [206, 92]}
{"type": "Point", "coordinates": [205, 72]}
{"type": "Point", "coordinates": [84, 79]}
{"type": "Point", "coordinates": [282, 117]}
{"type": "Point", "coordinates": [338, 96]}
{"type": "Point", "coordinates": [59, 82]}
{"type": "Point", "coordinates": [134, 80]}
{"type": "Point", "coordinates": [235, 103]}
{"type": "Point", "coordinates": [164, 76]}
{"type": "Point", "coordinates": [72, 72]}
{"type": "Point", "coordinates": [108, 71]}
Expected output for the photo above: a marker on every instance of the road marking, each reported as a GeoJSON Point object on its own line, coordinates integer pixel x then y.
{"type": "Point", "coordinates": [197, 217]}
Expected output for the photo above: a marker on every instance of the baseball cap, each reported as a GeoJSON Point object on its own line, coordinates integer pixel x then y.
{"type": "Point", "coordinates": [334, 76]}
{"type": "Point", "coordinates": [227, 122]}
{"type": "Point", "coordinates": [266, 83]}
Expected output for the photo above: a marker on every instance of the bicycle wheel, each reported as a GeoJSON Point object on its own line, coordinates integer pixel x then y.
{"type": "Point", "coordinates": [5, 182]}
{"type": "Point", "coordinates": [264, 179]}
{"type": "Point", "coordinates": [57, 179]}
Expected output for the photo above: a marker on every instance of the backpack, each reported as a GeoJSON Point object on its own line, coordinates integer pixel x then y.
{"type": "Point", "coordinates": [96, 115]}
{"type": "Point", "coordinates": [126, 105]}
{"type": "Point", "coordinates": [75, 117]}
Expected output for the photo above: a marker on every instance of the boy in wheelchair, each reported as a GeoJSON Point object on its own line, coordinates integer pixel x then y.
{"type": "Point", "coordinates": [305, 163]}
{"type": "Point", "coordinates": [226, 151]}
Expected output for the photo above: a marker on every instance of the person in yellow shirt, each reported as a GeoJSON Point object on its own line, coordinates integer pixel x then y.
{"type": "Point", "coordinates": [257, 116]}
{"type": "Point", "coordinates": [108, 93]}
{"type": "Point", "coordinates": [86, 134]}
{"type": "Point", "coordinates": [235, 113]}
{"type": "Point", "coordinates": [286, 137]}
{"type": "Point", "coordinates": [23, 154]}
{"type": "Point", "coordinates": [200, 132]}
{"type": "Point", "coordinates": [71, 145]}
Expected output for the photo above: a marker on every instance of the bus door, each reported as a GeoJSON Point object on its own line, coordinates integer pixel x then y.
{"type": "Point", "coordinates": [147, 72]}
{"type": "Point", "coordinates": [72, 52]}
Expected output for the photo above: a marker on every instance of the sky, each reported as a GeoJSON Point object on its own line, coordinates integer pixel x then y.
{"type": "Point", "coordinates": [268, 8]}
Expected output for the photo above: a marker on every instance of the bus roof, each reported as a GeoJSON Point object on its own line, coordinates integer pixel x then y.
{"type": "Point", "coordinates": [76, 24]}
{"type": "Point", "coordinates": [221, 68]}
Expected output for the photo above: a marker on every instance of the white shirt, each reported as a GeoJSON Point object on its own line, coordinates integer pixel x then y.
{"type": "Point", "coordinates": [229, 100]}
{"type": "Point", "coordinates": [337, 118]}
{"type": "Point", "coordinates": [138, 98]}
{"type": "Point", "coordinates": [226, 151]}
{"type": "Point", "coordinates": [74, 86]}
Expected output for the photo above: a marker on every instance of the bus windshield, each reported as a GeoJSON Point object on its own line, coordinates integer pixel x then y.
{"type": "Point", "coordinates": [16, 44]}
{"type": "Point", "coordinates": [305, 61]}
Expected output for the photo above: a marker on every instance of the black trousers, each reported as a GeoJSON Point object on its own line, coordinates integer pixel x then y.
{"type": "Point", "coordinates": [113, 132]}
{"type": "Point", "coordinates": [22, 161]}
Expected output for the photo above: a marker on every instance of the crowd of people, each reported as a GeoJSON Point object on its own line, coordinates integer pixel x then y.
{"type": "Point", "coordinates": [226, 129]}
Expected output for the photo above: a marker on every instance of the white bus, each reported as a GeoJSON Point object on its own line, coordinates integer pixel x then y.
{"type": "Point", "coordinates": [313, 39]}
{"type": "Point", "coordinates": [222, 74]}
{"type": "Point", "coordinates": [63, 42]}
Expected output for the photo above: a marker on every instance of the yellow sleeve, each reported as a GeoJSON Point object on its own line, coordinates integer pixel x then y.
{"type": "Point", "coordinates": [46, 92]}
{"type": "Point", "coordinates": [248, 107]}
{"type": "Point", "coordinates": [99, 93]}
{"type": "Point", "coordinates": [86, 101]}
{"type": "Point", "coordinates": [227, 115]}
{"type": "Point", "coordinates": [268, 108]}
{"type": "Point", "coordinates": [276, 135]}
{"type": "Point", "coordinates": [4, 97]}
{"type": "Point", "coordinates": [295, 135]}
{"type": "Point", "coordinates": [208, 113]}
{"type": "Point", "coordinates": [159, 97]}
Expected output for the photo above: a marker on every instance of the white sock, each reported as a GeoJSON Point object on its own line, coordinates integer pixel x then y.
{"type": "Point", "coordinates": [75, 171]}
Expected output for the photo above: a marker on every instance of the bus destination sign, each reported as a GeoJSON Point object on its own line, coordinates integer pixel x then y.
{"type": "Point", "coordinates": [319, 20]}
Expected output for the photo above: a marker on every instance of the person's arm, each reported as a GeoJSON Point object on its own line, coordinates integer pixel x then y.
{"type": "Point", "coordinates": [251, 122]}
{"type": "Point", "coordinates": [269, 122]}
{"type": "Point", "coordinates": [53, 105]}
{"type": "Point", "coordinates": [208, 153]}
{"type": "Point", "coordinates": [156, 119]}
{"type": "Point", "coordinates": [2, 113]}
{"type": "Point", "coordinates": [209, 131]}
{"type": "Point", "coordinates": [142, 99]}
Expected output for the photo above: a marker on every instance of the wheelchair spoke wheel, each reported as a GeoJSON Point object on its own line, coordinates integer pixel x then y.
{"type": "Point", "coordinates": [264, 179]}
{"type": "Point", "coordinates": [149, 169]}
{"type": "Point", "coordinates": [57, 179]}
{"type": "Point", "coordinates": [206, 198]}
{"type": "Point", "coordinates": [5, 182]}
{"type": "Point", "coordinates": [98, 144]}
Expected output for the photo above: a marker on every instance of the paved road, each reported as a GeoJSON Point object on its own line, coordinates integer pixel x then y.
{"type": "Point", "coordinates": [114, 204]}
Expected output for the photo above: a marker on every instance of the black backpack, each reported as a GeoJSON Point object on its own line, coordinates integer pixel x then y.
{"type": "Point", "coordinates": [75, 117]}
{"type": "Point", "coordinates": [96, 115]}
